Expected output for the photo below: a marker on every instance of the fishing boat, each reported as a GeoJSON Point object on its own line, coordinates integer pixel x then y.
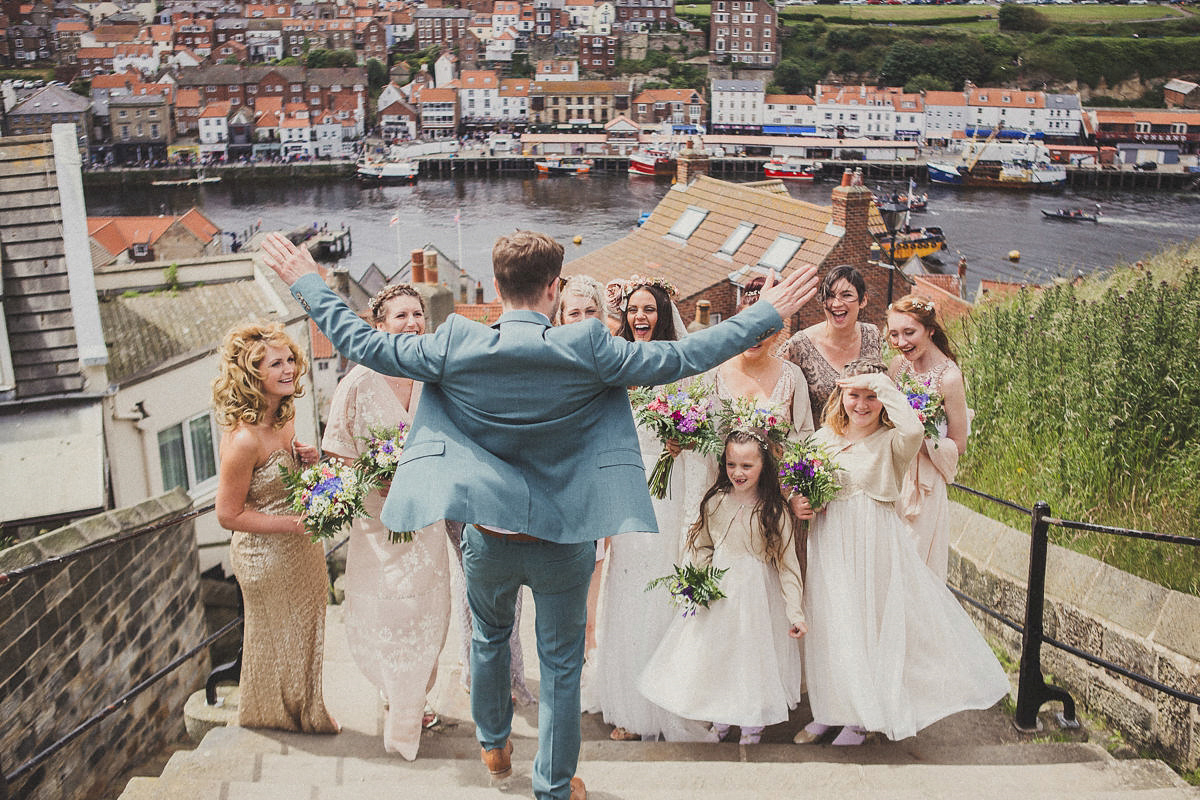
{"type": "Point", "coordinates": [388, 171]}
{"type": "Point", "coordinates": [791, 169]}
{"type": "Point", "coordinates": [1073, 215]}
{"type": "Point", "coordinates": [921, 242]}
{"type": "Point", "coordinates": [652, 161]}
{"type": "Point", "coordinates": [564, 165]}
{"type": "Point", "coordinates": [1002, 165]}
{"type": "Point", "coordinates": [197, 180]}
{"type": "Point", "coordinates": [909, 202]}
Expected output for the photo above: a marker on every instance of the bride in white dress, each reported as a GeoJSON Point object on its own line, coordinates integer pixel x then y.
{"type": "Point", "coordinates": [633, 621]}
{"type": "Point", "coordinates": [397, 595]}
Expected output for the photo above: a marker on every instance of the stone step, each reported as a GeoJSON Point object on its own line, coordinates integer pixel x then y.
{"type": "Point", "coordinates": [303, 775]}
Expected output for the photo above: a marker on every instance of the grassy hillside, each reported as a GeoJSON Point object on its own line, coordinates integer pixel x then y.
{"type": "Point", "coordinates": [1088, 397]}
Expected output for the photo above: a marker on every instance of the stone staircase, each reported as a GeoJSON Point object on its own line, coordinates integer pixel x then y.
{"type": "Point", "coordinates": [973, 754]}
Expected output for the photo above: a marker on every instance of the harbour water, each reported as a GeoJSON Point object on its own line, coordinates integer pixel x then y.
{"type": "Point", "coordinates": [600, 208]}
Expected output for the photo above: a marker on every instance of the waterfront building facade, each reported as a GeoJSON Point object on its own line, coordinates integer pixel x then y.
{"type": "Point", "coordinates": [737, 105]}
{"type": "Point", "coordinates": [48, 106]}
{"type": "Point", "coordinates": [789, 114]}
{"type": "Point", "coordinates": [577, 104]}
{"type": "Point", "coordinates": [679, 110]}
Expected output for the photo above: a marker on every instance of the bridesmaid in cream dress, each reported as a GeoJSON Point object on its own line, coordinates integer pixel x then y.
{"type": "Point", "coordinates": [925, 353]}
{"type": "Point", "coordinates": [397, 594]}
{"type": "Point", "coordinates": [280, 570]}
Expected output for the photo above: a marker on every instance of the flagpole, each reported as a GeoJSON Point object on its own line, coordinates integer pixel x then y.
{"type": "Point", "coordinates": [458, 222]}
{"type": "Point", "coordinates": [400, 252]}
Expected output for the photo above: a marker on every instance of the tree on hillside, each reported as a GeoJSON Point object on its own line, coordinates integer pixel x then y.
{"type": "Point", "coordinates": [927, 83]}
{"type": "Point", "coordinates": [1013, 17]}
{"type": "Point", "coordinates": [377, 76]}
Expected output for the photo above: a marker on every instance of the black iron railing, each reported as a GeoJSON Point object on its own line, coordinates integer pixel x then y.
{"type": "Point", "coordinates": [8, 780]}
{"type": "Point", "coordinates": [1032, 690]}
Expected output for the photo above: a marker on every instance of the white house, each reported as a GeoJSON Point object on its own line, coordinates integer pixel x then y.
{"type": "Point", "coordinates": [445, 69]}
{"type": "Point", "coordinates": [295, 137]}
{"type": "Point", "coordinates": [737, 105]}
{"type": "Point", "coordinates": [513, 99]}
{"type": "Point", "coordinates": [1062, 117]}
{"type": "Point", "coordinates": [326, 134]}
{"type": "Point", "coordinates": [604, 16]}
{"type": "Point", "coordinates": [478, 94]}
{"type": "Point", "coordinates": [580, 13]}
{"type": "Point", "coordinates": [502, 46]}
{"type": "Point", "coordinates": [505, 14]}
{"type": "Point", "coordinates": [794, 114]}
{"type": "Point", "coordinates": [214, 128]}
{"type": "Point", "coordinates": [945, 116]}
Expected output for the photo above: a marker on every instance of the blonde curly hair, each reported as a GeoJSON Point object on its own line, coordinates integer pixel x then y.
{"type": "Point", "coordinates": [238, 396]}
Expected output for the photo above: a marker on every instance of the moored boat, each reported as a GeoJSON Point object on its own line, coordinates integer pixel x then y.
{"type": "Point", "coordinates": [199, 179]}
{"type": "Point", "coordinates": [1001, 165]}
{"type": "Point", "coordinates": [387, 171]}
{"type": "Point", "coordinates": [921, 242]}
{"type": "Point", "coordinates": [652, 161]}
{"type": "Point", "coordinates": [791, 169]}
{"type": "Point", "coordinates": [564, 165]}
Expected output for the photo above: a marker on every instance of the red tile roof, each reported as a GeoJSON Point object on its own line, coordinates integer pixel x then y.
{"type": "Point", "coordinates": [486, 313]}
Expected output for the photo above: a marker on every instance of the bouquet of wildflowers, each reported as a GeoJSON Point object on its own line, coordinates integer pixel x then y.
{"type": "Point", "coordinates": [381, 452]}
{"type": "Point", "coordinates": [807, 468]}
{"type": "Point", "coordinates": [691, 587]}
{"type": "Point", "coordinates": [928, 404]}
{"type": "Point", "coordinates": [378, 461]}
{"type": "Point", "coordinates": [742, 413]}
{"type": "Point", "coordinates": [678, 412]}
{"type": "Point", "coordinates": [329, 495]}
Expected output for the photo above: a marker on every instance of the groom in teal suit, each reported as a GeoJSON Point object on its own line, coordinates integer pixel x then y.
{"type": "Point", "coordinates": [525, 432]}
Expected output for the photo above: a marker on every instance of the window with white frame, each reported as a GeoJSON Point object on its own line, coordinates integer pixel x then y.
{"type": "Point", "coordinates": [688, 221]}
{"type": "Point", "coordinates": [781, 252]}
{"type": "Point", "coordinates": [737, 238]}
{"type": "Point", "coordinates": [187, 454]}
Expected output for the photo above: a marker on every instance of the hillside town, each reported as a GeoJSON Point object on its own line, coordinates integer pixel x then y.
{"type": "Point", "coordinates": [205, 82]}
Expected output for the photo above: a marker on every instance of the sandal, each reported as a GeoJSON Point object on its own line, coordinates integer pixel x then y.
{"type": "Point", "coordinates": [619, 734]}
{"type": "Point", "coordinates": [430, 718]}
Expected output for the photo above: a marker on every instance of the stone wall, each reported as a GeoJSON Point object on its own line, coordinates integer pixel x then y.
{"type": "Point", "coordinates": [1123, 619]}
{"type": "Point", "coordinates": [75, 637]}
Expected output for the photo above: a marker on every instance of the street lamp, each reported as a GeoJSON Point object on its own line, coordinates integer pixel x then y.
{"type": "Point", "coordinates": [892, 214]}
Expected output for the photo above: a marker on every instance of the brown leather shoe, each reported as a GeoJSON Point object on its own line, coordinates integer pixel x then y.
{"type": "Point", "coordinates": [578, 790]}
{"type": "Point", "coordinates": [498, 760]}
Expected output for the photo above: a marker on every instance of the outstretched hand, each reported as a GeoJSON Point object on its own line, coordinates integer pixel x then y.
{"type": "Point", "coordinates": [792, 292]}
{"type": "Point", "coordinates": [288, 261]}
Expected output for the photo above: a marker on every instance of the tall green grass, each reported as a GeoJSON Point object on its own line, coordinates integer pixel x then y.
{"type": "Point", "coordinates": [1088, 397]}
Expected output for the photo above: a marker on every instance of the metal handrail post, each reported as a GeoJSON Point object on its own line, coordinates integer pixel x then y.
{"type": "Point", "coordinates": [1032, 690]}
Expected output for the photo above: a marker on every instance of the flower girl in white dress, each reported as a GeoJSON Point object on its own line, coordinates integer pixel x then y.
{"type": "Point", "coordinates": [889, 648]}
{"type": "Point", "coordinates": [737, 662]}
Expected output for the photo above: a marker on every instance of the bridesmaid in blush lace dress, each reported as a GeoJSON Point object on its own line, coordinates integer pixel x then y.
{"type": "Point", "coordinates": [397, 594]}
{"type": "Point", "coordinates": [280, 570]}
{"type": "Point", "coordinates": [823, 350]}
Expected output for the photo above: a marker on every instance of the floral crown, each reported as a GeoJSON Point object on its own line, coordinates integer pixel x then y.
{"type": "Point", "coordinates": [635, 282]}
{"type": "Point", "coordinates": [919, 304]}
{"type": "Point", "coordinates": [761, 435]}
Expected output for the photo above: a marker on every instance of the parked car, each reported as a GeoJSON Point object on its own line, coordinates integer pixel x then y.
{"type": "Point", "coordinates": [1146, 166]}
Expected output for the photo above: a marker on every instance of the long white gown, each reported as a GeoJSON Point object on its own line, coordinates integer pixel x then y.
{"type": "Point", "coordinates": [632, 621]}
{"type": "Point", "coordinates": [888, 647]}
{"type": "Point", "coordinates": [734, 663]}
{"type": "Point", "coordinates": [397, 595]}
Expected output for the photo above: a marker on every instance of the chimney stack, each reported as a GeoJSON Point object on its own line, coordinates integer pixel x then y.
{"type": "Point", "coordinates": [418, 266]}
{"type": "Point", "coordinates": [479, 293]}
{"type": "Point", "coordinates": [690, 164]}
{"type": "Point", "coordinates": [431, 267]}
{"type": "Point", "coordinates": [851, 209]}
{"type": "Point", "coordinates": [703, 316]}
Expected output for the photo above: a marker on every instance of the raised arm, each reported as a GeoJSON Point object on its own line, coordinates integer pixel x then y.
{"type": "Point", "coordinates": [409, 355]}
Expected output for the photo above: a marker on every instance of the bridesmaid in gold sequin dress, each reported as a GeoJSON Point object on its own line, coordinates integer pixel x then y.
{"type": "Point", "coordinates": [280, 571]}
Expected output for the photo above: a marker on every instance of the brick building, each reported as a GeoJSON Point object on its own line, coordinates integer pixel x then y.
{"type": "Point", "coordinates": [682, 108]}
{"type": "Point", "coordinates": [599, 53]}
{"type": "Point", "coordinates": [745, 30]}
{"type": "Point", "coordinates": [633, 14]}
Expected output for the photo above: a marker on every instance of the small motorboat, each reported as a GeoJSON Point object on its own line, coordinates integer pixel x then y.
{"type": "Point", "coordinates": [1073, 215]}
{"type": "Point", "coordinates": [904, 202]}
{"type": "Point", "coordinates": [564, 165]}
{"type": "Point", "coordinates": [908, 242]}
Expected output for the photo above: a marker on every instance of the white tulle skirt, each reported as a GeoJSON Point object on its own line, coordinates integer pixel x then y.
{"type": "Point", "coordinates": [888, 648]}
{"type": "Point", "coordinates": [733, 662]}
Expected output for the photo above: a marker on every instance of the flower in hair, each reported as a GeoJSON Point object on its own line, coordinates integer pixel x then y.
{"type": "Point", "coordinates": [920, 304]}
{"type": "Point", "coordinates": [614, 292]}
{"type": "Point", "coordinates": [635, 282]}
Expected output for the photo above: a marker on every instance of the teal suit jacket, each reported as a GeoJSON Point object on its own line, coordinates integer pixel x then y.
{"type": "Point", "coordinates": [522, 425]}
